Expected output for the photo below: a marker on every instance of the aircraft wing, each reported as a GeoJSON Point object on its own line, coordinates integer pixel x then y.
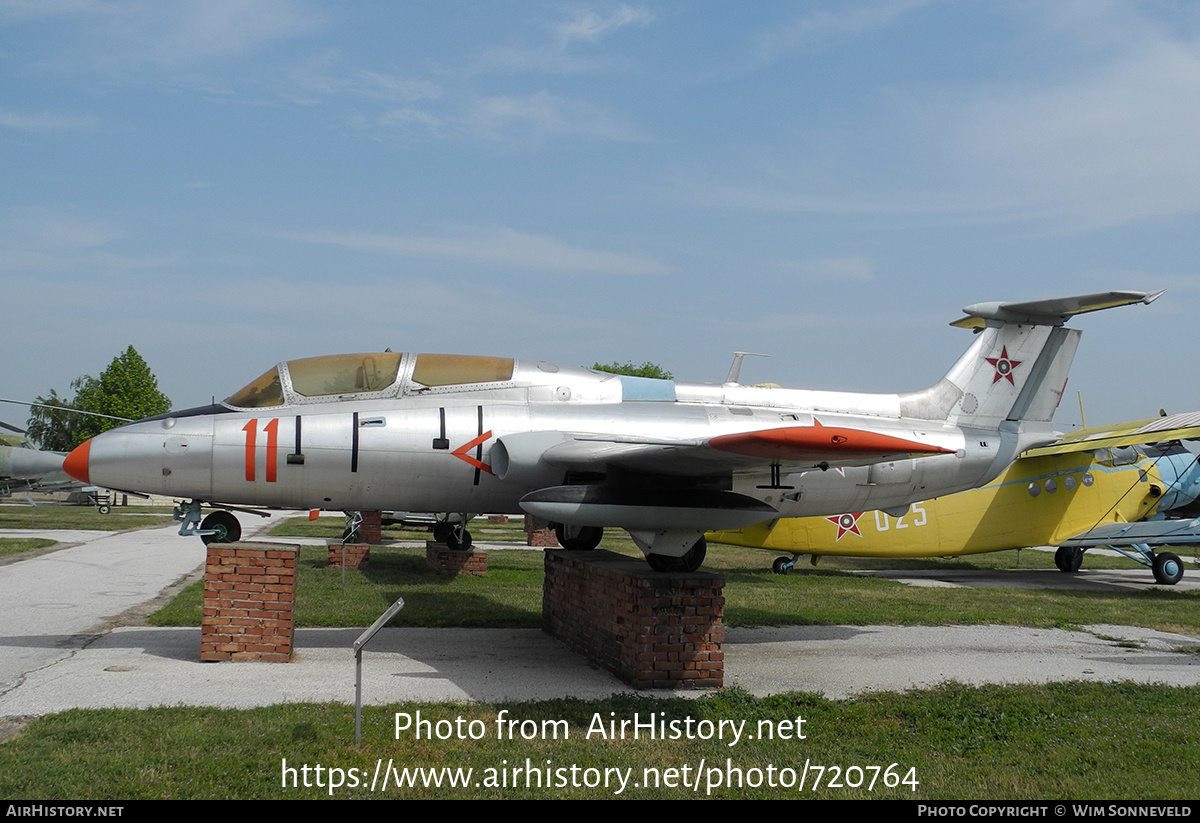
{"type": "Point", "coordinates": [798, 446]}
{"type": "Point", "coordinates": [1145, 532]}
{"type": "Point", "coordinates": [1185, 426]}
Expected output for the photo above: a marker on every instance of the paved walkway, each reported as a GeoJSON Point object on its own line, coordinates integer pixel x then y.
{"type": "Point", "coordinates": [57, 649]}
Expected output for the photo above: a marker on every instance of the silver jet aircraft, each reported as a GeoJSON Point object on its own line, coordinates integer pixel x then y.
{"type": "Point", "coordinates": [664, 460]}
{"type": "Point", "coordinates": [21, 462]}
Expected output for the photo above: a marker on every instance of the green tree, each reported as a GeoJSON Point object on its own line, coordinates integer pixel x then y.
{"type": "Point", "coordinates": [51, 425]}
{"type": "Point", "coordinates": [127, 388]}
{"type": "Point", "coordinates": [647, 369]}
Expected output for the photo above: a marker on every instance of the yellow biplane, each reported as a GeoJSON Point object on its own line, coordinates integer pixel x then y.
{"type": "Point", "coordinates": [1092, 488]}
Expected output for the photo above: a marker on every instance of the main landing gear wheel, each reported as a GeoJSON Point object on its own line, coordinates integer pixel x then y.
{"type": "Point", "coordinates": [578, 538]}
{"type": "Point", "coordinates": [226, 526]}
{"type": "Point", "coordinates": [458, 540]}
{"type": "Point", "coordinates": [1168, 568]}
{"type": "Point", "coordinates": [690, 561]}
{"type": "Point", "coordinates": [441, 531]}
{"type": "Point", "coordinates": [782, 565]}
{"type": "Point", "coordinates": [1068, 560]}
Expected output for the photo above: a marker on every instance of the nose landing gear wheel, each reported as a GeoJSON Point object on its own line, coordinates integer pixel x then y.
{"type": "Point", "coordinates": [226, 526]}
{"type": "Point", "coordinates": [782, 565]}
{"type": "Point", "coordinates": [458, 540]}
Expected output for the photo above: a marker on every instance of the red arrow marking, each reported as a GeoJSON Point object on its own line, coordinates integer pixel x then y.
{"type": "Point", "coordinates": [461, 452]}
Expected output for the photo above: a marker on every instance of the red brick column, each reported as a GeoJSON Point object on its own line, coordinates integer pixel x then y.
{"type": "Point", "coordinates": [249, 598]}
{"type": "Point", "coordinates": [539, 534]}
{"type": "Point", "coordinates": [358, 555]}
{"type": "Point", "coordinates": [371, 530]}
{"type": "Point", "coordinates": [455, 561]}
{"type": "Point", "coordinates": [653, 630]}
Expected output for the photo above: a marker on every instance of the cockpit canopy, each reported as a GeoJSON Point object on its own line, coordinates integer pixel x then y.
{"type": "Point", "coordinates": [355, 374]}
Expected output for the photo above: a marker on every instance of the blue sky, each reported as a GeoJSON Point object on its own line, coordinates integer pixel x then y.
{"type": "Point", "coordinates": [229, 184]}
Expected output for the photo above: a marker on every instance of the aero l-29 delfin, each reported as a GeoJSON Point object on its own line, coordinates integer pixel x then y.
{"type": "Point", "coordinates": [22, 464]}
{"type": "Point", "coordinates": [665, 460]}
{"type": "Point", "coordinates": [1106, 487]}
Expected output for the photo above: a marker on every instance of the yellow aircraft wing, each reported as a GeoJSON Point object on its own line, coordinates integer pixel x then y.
{"type": "Point", "coordinates": [1185, 426]}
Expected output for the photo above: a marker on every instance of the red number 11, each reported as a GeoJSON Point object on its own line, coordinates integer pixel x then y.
{"type": "Point", "coordinates": [272, 430]}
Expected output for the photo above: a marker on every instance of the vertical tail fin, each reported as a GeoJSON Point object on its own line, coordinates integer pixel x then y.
{"type": "Point", "coordinates": [1016, 369]}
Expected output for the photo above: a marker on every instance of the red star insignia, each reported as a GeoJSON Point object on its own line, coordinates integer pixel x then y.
{"type": "Point", "coordinates": [846, 523]}
{"type": "Point", "coordinates": [1003, 365]}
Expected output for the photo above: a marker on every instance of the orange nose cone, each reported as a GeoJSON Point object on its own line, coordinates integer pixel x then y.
{"type": "Point", "coordinates": [76, 463]}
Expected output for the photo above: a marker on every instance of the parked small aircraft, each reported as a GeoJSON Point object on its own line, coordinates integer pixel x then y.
{"type": "Point", "coordinates": [665, 460]}
{"type": "Point", "coordinates": [1085, 491]}
{"type": "Point", "coordinates": [21, 463]}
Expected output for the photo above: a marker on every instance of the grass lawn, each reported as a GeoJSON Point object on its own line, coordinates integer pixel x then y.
{"type": "Point", "coordinates": [55, 516]}
{"type": "Point", "coordinates": [510, 594]}
{"type": "Point", "coordinates": [1077, 740]}
{"type": "Point", "coordinates": [19, 545]}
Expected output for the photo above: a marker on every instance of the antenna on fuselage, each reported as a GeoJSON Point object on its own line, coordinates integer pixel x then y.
{"type": "Point", "coordinates": [736, 369]}
{"type": "Point", "coordinates": [66, 409]}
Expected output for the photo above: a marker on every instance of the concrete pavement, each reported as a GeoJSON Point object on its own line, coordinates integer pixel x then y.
{"type": "Point", "coordinates": [58, 647]}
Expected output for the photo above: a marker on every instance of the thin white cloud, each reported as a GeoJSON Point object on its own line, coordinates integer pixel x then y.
{"type": "Point", "coordinates": [40, 240]}
{"type": "Point", "coordinates": [860, 269]}
{"type": "Point", "coordinates": [494, 246]}
{"type": "Point", "coordinates": [536, 117]}
{"type": "Point", "coordinates": [590, 26]}
{"type": "Point", "coordinates": [823, 28]}
{"type": "Point", "coordinates": [1116, 145]}
{"type": "Point", "coordinates": [584, 26]}
{"type": "Point", "coordinates": [44, 122]}
{"type": "Point", "coordinates": [1104, 135]}
{"type": "Point", "coordinates": [129, 34]}
{"type": "Point", "coordinates": [38, 228]}
{"type": "Point", "coordinates": [392, 87]}
{"type": "Point", "coordinates": [203, 29]}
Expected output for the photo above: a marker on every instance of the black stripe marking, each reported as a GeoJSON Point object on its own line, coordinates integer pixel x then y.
{"type": "Point", "coordinates": [296, 458]}
{"type": "Point", "coordinates": [354, 445]}
{"type": "Point", "coordinates": [479, 448]}
{"type": "Point", "coordinates": [440, 442]}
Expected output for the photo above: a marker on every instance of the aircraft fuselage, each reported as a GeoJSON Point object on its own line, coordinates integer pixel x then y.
{"type": "Point", "coordinates": [436, 453]}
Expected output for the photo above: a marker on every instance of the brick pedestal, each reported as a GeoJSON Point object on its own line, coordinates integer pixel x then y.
{"type": "Point", "coordinates": [371, 530]}
{"type": "Point", "coordinates": [539, 534]}
{"type": "Point", "coordinates": [249, 596]}
{"type": "Point", "coordinates": [654, 630]}
{"type": "Point", "coordinates": [358, 555]}
{"type": "Point", "coordinates": [454, 561]}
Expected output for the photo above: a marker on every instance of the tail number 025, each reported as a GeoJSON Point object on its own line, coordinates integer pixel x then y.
{"type": "Point", "coordinates": [883, 522]}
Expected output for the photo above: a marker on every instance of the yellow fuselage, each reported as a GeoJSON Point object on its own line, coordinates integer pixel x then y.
{"type": "Point", "coordinates": [1037, 501]}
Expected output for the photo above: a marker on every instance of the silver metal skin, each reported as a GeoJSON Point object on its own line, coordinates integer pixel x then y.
{"type": "Point", "coordinates": [28, 463]}
{"type": "Point", "coordinates": [665, 460]}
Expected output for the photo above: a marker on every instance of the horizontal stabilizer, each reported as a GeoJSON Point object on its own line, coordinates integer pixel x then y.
{"type": "Point", "coordinates": [1053, 312]}
{"type": "Point", "coordinates": [822, 444]}
{"type": "Point", "coordinates": [1147, 532]}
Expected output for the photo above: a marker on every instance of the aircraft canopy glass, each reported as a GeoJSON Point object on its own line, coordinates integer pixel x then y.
{"type": "Point", "coordinates": [457, 369]}
{"type": "Point", "coordinates": [265, 391]}
{"type": "Point", "coordinates": [321, 376]}
{"type": "Point", "coordinates": [343, 373]}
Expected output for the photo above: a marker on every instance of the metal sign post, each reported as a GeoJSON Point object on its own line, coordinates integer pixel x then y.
{"type": "Point", "coordinates": [358, 650]}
